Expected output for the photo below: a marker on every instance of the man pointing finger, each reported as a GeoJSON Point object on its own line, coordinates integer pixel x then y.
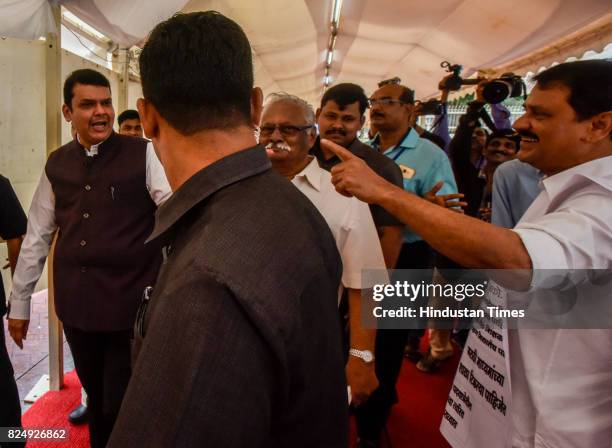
{"type": "Point", "coordinates": [354, 177]}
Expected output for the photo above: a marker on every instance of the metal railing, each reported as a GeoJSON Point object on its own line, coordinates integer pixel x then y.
{"type": "Point", "coordinates": [455, 112]}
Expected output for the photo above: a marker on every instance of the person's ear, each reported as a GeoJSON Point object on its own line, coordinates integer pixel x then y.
{"type": "Point", "coordinates": [256, 106]}
{"type": "Point", "coordinates": [411, 111]}
{"type": "Point", "coordinates": [317, 113]}
{"type": "Point", "coordinates": [600, 127]}
{"type": "Point", "coordinates": [312, 137]}
{"type": "Point", "coordinates": [67, 113]}
{"type": "Point", "coordinates": [149, 118]}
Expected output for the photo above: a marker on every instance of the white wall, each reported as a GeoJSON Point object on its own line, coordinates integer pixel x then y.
{"type": "Point", "coordinates": [134, 92]}
{"type": "Point", "coordinates": [22, 116]}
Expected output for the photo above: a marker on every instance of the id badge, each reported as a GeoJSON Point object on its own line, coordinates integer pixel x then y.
{"type": "Point", "coordinates": [407, 172]}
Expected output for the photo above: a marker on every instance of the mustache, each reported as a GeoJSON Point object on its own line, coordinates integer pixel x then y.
{"type": "Point", "coordinates": [278, 146]}
{"type": "Point", "coordinates": [100, 118]}
{"type": "Point", "coordinates": [336, 131]}
{"type": "Point", "coordinates": [527, 134]}
{"type": "Point", "coordinates": [501, 152]}
{"type": "Point", "coordinates": [377, 114]}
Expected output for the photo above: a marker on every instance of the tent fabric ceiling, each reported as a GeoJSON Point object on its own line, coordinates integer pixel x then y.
{"type": "Point", "coordinates": [377, 39]}
{"type": "Point", "coordinates": [385, 38]}
{"type": "Point", "coordinates": [26, 19]}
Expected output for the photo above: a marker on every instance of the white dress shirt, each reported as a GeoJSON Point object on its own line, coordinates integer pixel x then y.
{"type": "Point", "coordinates": [351, 223]}
{"type": "Point", "coordinates": [42, 227]}
{"type": "Point", "coordinates": [562, 379]}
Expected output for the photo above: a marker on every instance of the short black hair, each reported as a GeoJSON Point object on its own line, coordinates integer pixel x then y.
{"type": "Point", "coordinates": [85, 76]}
{"type": "Point", "coordinates": [510, 134]}
{"type": "Point", "coordinates": [345, 94]}
{"type": "Point", "coordinates": [588, 82]}
{"type": "Point", "coordinates": [407, 95]}
{"type": "Point", "coordinates": [197, 70]}
{"type": "Point", "coordinates": [128, 114]}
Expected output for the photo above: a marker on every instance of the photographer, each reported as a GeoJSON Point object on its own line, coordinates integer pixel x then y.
{"type": "Point", "coordinates": [465, 151]}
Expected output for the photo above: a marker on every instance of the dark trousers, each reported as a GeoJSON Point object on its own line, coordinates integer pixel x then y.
{"type": "Point", "coordinates": [102, 361]}
{"type": "Point", "coordinates": [389, 354]}
{"type": "Point", "coordinates": [10, 409]}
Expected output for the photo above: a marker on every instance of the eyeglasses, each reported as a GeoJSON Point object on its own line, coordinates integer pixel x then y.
{"type": "Point", "coordinates": [286, 130]}
{"type": "Point", "coordinates": [395, 80]}
{"type": "Point", "coordinates": [383, 101]}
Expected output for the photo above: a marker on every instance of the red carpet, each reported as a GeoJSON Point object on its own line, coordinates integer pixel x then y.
{"type": "Point", "coordinates": [414, 422]}
{"type": "Point", "coordinates": [51, 411]}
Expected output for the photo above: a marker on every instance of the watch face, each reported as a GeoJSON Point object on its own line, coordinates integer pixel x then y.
{"type": "Point", "coordinates": [365, 355]}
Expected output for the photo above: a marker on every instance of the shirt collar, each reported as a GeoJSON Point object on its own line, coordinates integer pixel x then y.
{"type": "Point", "coordinates": [596, 171]}
{"type": "Point", "coordinates": [312, 174]}
{"type": "Point", "coordinates": [226, 171]}
{"type": "Point", "coordinates": [94, 149]}
{"type": "Point", "coordinates": [408, 141]}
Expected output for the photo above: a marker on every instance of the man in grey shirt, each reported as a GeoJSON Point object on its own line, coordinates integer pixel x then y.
{"type": "Point", "coordinates": [515, 186]}
{"type": "Point", "coordinates": [239, 344]}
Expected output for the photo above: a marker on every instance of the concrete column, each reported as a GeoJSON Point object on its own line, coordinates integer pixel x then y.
{"type": "Point", "coordinates": [53, 87]}
{"type": "Point", "coordinates": [121, 64]}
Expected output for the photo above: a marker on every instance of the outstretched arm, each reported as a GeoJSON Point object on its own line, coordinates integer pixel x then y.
{"type": "Point", "coordinates": [465, 240]}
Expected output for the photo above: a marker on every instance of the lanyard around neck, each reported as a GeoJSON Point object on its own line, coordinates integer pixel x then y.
{"type": "Point", "coordinates": [398, 154]}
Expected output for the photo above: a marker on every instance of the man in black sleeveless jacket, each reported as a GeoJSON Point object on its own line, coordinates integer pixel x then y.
{"type": "Point", "coordinates": [99, 193]}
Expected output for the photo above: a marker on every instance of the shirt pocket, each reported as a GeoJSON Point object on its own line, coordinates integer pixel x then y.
{"type": "Point", "coordinates": [127, 193]}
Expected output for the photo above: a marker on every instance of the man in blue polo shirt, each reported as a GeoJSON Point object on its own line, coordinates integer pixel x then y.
{"type": "Point", "coordinates": [423, 165]}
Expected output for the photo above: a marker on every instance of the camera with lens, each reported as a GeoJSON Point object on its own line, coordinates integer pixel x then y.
{"type": "Point", "coordinates": [430, 107]}
{"type": "Point", "coordinates": [455, 81]}
{"type": "Point", "coordinates": [507, 85]}
{"type": "Point", "coordinates": [494, 91]}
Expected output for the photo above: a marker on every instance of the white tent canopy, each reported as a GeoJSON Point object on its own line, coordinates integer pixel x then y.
{"type": "Point", "coordinates": [376, 39]}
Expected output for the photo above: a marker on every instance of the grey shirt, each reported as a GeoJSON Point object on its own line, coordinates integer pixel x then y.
{"type": "Point", "coordinates": [241, 339]}
{"type": "Point", "coordinates": [515, 187]}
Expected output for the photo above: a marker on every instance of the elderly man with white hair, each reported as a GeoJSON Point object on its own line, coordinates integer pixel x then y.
{"type": "Point", "coordinates": [288, 132]}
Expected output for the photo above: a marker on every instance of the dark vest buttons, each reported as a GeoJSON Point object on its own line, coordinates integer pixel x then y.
{"type": "Point", "coordinates": [85, 215]}
{"type": "Point", "coordinates": [87, 187]}
{"type": "Point", "coordinates": [83, 243]}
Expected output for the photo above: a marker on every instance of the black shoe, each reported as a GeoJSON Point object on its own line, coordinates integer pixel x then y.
{"type": "Point", "coordinates": [78, 416]}
{"type": "Point", "coordinates": [429, 364]}
{"type": "Point", "coordinates": [412, 353]}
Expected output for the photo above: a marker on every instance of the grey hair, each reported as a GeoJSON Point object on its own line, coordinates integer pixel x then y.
{"type": "Point", "coordinates": [307, 109]}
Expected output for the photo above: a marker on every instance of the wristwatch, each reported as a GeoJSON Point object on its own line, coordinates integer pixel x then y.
{"type": "Point", "coordinates": [365, 355]}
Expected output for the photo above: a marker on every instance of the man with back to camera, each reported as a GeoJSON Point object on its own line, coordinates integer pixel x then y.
{"type": "Point", "coordinates": [558, 376]}
{"type": "Point", "coordinates": [240, 340]}
{"type": "Point", "coordinates": [129, 123]}
{"type": "Point", "coordinates": [100, 193]}
{"type": "Point", "coordinates": [288, 132]}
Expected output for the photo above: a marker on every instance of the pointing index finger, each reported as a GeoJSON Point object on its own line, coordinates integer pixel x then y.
{"type": "Point", "coordinates": [342, 153]}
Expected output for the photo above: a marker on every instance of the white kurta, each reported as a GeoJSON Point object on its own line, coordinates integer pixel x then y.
{"type": "Point", "coordinates": [562, 379]}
